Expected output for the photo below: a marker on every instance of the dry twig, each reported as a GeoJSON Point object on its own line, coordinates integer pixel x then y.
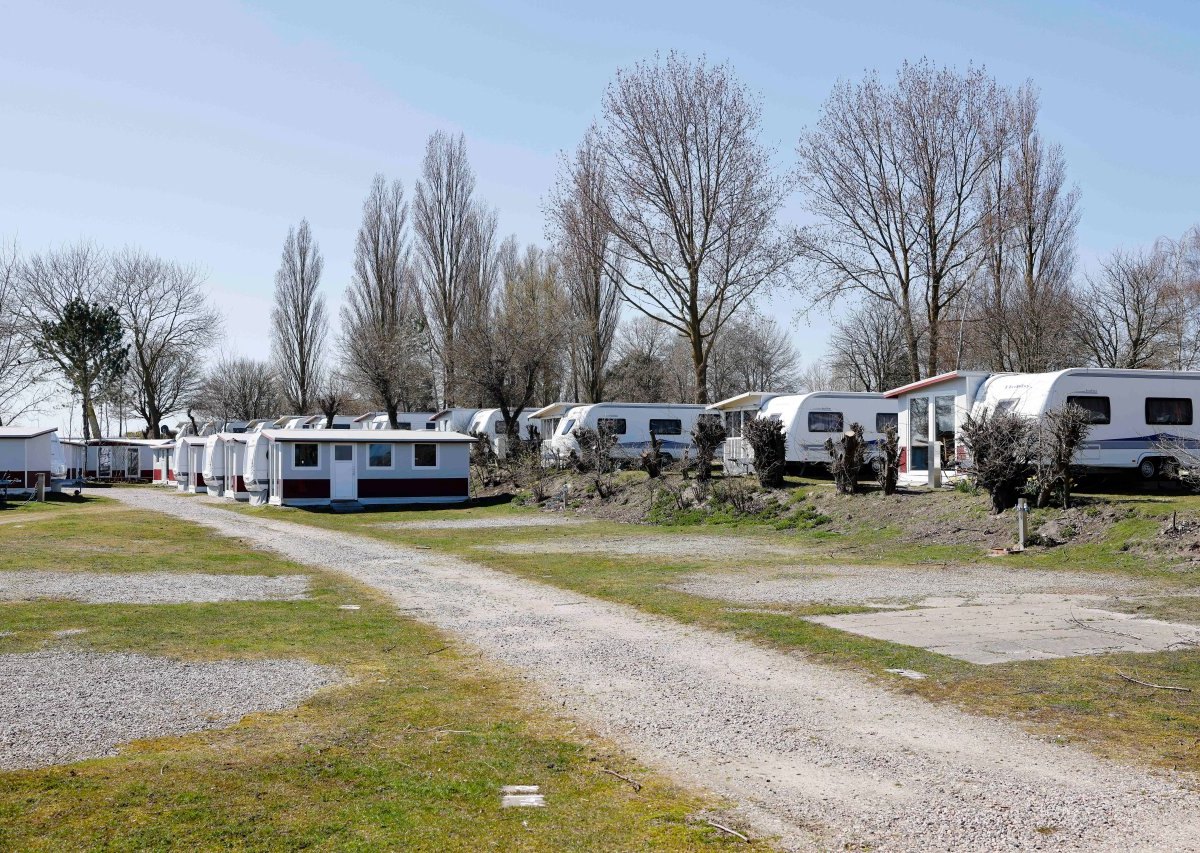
{"type": "Point", "coordinates": [724, 828]}
{"type": "Point", "coordinates": [637, 786]}
{"type": "Point", "coordinates": [1132, 680]}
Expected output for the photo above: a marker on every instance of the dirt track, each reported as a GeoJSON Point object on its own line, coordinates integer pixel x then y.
{"type": "Point", "coordinates": [821, 757]}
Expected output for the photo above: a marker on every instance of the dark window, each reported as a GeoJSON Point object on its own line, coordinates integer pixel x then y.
{"type": "Point", "coordinates": [403, 424]}
{"type": "Point", "coordinates": [666, 426]}
{"type": "Point", "coordinates": [1169, 411]}
{"type": "Point", "coordinates": [918, 418]}
{"type": "Point", "coordinates": [615, 426]}
{"type": "Point", "coordinates": [305, 456]}
{"type": "Point", "coordinates": [886, 420]}
{"type": "Point", "coordinates": [825, 422]}
{"type": "Point", "coordinates": [500, 430]}
{"type": "Point", "coordinates": [430, 425]}
{"type": "Point", "coordinates": [341, 426]}
{"type": "Point", "coordinates": [1098, 408]}
{"type": "Point", "coordinates": [570, 423]}
{"type": "Point", "coordinates": [379, 456]}
{"type": "Point", "coordinates": [343, 453]}
{"type": "Point", "coordinates": [425, 456]}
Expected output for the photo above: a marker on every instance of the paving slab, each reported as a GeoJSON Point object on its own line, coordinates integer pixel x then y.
{"type": "Point", "coordinates": [1036, 627]}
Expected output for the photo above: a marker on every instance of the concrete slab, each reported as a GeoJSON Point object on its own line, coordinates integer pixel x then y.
{"type": "Point", "coordinates": [1037, 627]}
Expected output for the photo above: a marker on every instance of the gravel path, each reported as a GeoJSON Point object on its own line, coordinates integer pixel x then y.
{"type": "Point", "coordinates": [883, 584]}
{"type": "Point", "coordinates": [149, 587]}
{"type": "Point", "coordinates": [539, 520]}
{"type": "Point", "coordinates": [822, 757]}
{"type": "Point", "coordinates": [684, 547]}
{"type": "Point", "coordinates": [59, 706]}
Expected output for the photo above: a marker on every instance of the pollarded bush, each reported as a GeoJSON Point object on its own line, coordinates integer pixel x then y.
{"type": "Point", "coordinates": [769, 443]}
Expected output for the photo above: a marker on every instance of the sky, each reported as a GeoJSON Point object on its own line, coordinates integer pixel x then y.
{"type": "Point", "coordinates": [201, 132]}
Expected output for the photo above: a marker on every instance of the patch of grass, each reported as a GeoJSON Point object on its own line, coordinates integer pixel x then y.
{"type": "Point", "coordinates": [408, 755]}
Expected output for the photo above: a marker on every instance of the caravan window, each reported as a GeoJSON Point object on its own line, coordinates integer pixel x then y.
{"type": "Point", "coordinates": [1005, 406]}
{"type": "Point", "coordinates": [1169, 411]}
{"type": "Point", "coordinates": [379, 456]}
{"type": "Point", "coordinates": [403, 424]}
{"type": "Point", "coordinates": [1099, 408]}
{"type": "Point", "coordinates": [825, 422]}
{"type": "Point", "coordinates": [500, 429]}
{"type": "Point", "coordinates": [887, 420]}
{"type": "Point", "coordinates": [615, 426]}
{"type": "Point", "coordinates": [425, 455]}
{"type": "Point", "coordinates": [567, 426]}
{"type": "Point", "coordinates": [305, 456]}
{"type": "Point", "coordinates": [666, 426]}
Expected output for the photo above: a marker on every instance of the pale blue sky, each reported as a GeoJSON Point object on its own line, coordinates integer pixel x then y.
{"type": "Point", "coordinates": [202, 131]}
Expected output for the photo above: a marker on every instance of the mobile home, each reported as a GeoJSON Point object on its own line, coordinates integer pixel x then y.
{"type": "Point", "coordinates": [26, 453]}
{"type": "Point", "coordinates": [631, 424]}
{"type": "Point", "coordinates": [931, 414]}
{"type": "Point", "coordinates": [214, 462]}
{"type": "Point", "coordinates": [490, 422]}
{"type": "Point", "coordinates": [320, 467]}
{"type": "Point", "coordinates": [189, 463]}
{"type": "Point", "coordinates": [1132, 412]}
{"type": "Point", "coordinates": [404, 420]}
{"type": "Point", "coordinates": [808, 420]}
{"type": "Point", "coordinates": [164, 471]}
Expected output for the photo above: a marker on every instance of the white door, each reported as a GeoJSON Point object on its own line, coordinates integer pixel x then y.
{"type": "Point", "coordinates": [344, 477]}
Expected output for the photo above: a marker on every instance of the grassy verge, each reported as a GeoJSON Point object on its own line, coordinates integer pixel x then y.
{"type": "Point", "coordinates": [409, 754]}
{"type": "Point", "coordinates": [1073, 699]}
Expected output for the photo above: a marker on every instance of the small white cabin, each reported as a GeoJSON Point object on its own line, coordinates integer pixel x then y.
{"type": "Point", "coordinates": [808, 421]}
{"type": "Point", "coordinates": [547, 419]}
{"type": "Point", "coordinates": [631, 424]}
{"type": "Point", "coordinates": [1132, 411]}
{"type": "Point", "coordinates": [404, 420]}
{"type": "Point", "coordinates": [453, 420]}
{"type": "Point", "coordinates": [320, 467]}
{"type": "Point", "coordinates": [74, 454]}
{"type": "Point", "coordinates": [26, 453]}
{"type": "Point", "coordinates": [120, 459]}
{"type": "Point", "coordinates": [490, 422]}
{"type": "Point", "coordinates": [164, 471]}
{"type": "Point", "coordinates": [189, 463]}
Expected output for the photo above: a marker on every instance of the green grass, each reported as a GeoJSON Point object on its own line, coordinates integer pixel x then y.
{"type": "Point", "coordinates": [371, 764]}
{"type": "Point", "coordinates": [1074, 699]}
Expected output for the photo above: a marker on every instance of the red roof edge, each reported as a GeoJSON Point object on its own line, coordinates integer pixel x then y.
{"type": "Point", "coordinates": [924, 383]}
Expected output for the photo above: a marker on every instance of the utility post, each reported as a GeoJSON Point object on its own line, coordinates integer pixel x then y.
{"type": "Point", "coordinates": [935, 452]}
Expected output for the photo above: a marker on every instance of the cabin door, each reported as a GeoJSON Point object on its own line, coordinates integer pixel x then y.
{"type": "Point", "coordinates": [344, 486]}
{"type": "Point", "coordinates": [133, 463]}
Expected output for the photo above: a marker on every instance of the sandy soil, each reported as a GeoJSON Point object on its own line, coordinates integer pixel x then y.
{"type": "Point", "coordinates": [149, 587]}
{"type": "Point", "coordinates": [823, 758]}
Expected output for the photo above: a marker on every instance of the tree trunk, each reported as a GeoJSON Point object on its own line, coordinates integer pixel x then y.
{"type": "Point", "coordinates": [393, 422]}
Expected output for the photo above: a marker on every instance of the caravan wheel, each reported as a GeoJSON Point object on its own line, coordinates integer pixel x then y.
{"type": "Point", "coordinates": [1148, 468]}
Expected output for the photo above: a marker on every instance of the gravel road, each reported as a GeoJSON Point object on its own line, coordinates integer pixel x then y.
{"type": "Point", "coordinates": [823, 758]}
{"type": "Point", "coordinates": [679, 547]}
{"type": "Point", "coordinates": [63, 705]}
{"type": "Point", "coordinates": [500, 522]}
{"type": "Point", "coordinates": [149, 587]}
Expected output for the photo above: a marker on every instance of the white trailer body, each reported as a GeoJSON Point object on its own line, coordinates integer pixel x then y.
{"type": "Point", "coordinates": [490, 422]}
{"type": "Point", "coordinates": [1133, 411]}
{"type": "Point", "coordinates": [808, 421]}
{"type": "Point", "coordinates": [631, 425]}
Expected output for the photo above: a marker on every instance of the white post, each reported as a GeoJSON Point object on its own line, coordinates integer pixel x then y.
{"type": "Point", "coordinates": [935, 453]}
{"type": "Point", "coordinates": [1022, 522]}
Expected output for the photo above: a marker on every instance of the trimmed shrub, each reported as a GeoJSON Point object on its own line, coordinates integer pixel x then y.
{"type": "Point", "coordinates": [846, 458]}
{"type": "Point", "coordinates": [769, 443]}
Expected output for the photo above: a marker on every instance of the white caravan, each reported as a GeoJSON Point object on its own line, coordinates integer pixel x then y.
{"type": "Point", "coordinates": [404, 420]}
{"type": "Point", "coordinates": [453, 420]}
{"type": "Point", "coordinates": [490, 422]}
{"type": "Point", "coordinates": [808, 420]}
{"type": "Point", "coordinates": [1132, 411]}
{"type": "Point", "coordinates": [631, 424]}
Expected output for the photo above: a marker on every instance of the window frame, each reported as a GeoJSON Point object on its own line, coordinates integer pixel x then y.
{"type": "Point", "coordinates": [296, 463]}
{"type": "Point", "coordinates": [841, 422]}
{"type": "Point", "coordinates": [1107, 416]}
{"type": "Point", "coordinates": [677, 421]}
{"type": "Point", "coordinates": [391, 449]}
{"type": "Point", "coordinates": [1191, 414]}
{"type": "Point", "coordinates": [600, 422]}
{"type": "Point", "coordinates": [437, 455]}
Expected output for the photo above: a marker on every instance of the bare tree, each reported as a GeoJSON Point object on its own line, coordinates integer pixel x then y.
{"type": "Point", "coordinates": [1028, 239]}
{"type": "Point", "coordinates": [753, 353]}
{"type": "Point", "coordinates": [51, 285]}
{"type": "Point", "coordinates": [589, 265]}
{"type": "Point", "coordinates": [383, 332]}
{"type": "Point", "coordinates": [444, 219]}
{"type": "Point", "coordinates": [168, 318]}
{"type": "Point", "coordinates": [299, 324]}
{"type": "Point", "coordinates": [1182, 296]}
{"type": "Point", "coordinates": [867, 348]}
{"type": "Point", "coordinates": [520, 333]}
{"type": "Point", "coordinates": [691, 198]}
{"type": "Point", "coordinates": [1125, 317]}
{"type": "Point", "coordinates": [894, 176]}
{"type": "Point", "coordinates": [19, 368]}
{"type": "Point", "coordinates": [238, 389]}
{"type": "Point", "coordinates": [333, 397]}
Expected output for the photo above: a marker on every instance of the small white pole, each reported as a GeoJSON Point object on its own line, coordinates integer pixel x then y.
{"type": "Point", "coordinates": [1022, 522]}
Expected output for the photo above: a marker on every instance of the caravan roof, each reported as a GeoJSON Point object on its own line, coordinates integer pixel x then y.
{"type": "Point", "coordinates": [25, 432]}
